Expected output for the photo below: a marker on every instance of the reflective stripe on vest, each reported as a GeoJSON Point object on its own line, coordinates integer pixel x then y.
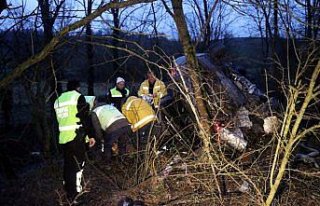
{"type": "Point", "coordinates": [115, 93]}
{"type": "Point", "coordinates": [131, 101]}
{"type": "Point", "coordinates": [60, 103]}
{"type": "Point", "coordinates": [107, 114]}
{"type": "Point", "coordinates": [71, 127]}
{"type": "Point", "coordinates": [156, 89]}
{"type": "Point", "coordinates": [138, 112]}
{"type": "Point", "coordinates": [90, 100]}
{"type": "Point", "coordinates": [143, 121]}
{"type": "Point", "coordinates": [66, 111]}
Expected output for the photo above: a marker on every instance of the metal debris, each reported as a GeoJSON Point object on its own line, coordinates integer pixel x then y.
{"type": "Point", "coordinates": [243, 119]}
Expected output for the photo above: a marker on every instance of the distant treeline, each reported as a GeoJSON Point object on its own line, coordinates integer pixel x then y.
{"type": "Point", "coordinates": [71, 58]}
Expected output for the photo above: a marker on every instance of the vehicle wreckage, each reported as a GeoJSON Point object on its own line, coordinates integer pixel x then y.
{"type": "Point", "coordinates": [238, 108]}
{"type": "Point", "coordinates": [230, 98]}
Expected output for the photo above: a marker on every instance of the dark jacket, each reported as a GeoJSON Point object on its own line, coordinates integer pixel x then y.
{"type": "Point", "coordinates": [117, 101]}
{"type": "Point", "coordinates": [83, 115]}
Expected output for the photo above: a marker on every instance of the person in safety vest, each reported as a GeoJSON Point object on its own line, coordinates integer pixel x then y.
{"type": "Point", "coordinates": [118, 93]}
{"type": "Point", "coordinates": [110, 125]}
{"type": "Point", "coordinates": [139, 113]}
{"type": "Point", "coordinates": [72, 114]}
{"type": "Point", "coordinates": [152, 90]}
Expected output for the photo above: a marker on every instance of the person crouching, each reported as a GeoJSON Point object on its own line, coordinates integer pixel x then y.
{"type": "Point", "coordinates": [110, 125]}
{"type": "Point", "coordinates": [140, 115]}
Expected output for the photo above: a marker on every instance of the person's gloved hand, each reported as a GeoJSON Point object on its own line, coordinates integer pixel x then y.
{"type": "Point", "coordinates": [92, 142]}
{"type": "Point", "coordinates": [148, 98]}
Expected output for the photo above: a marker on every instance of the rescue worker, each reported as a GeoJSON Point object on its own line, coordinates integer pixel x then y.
{"type": "Point", "coordinates": [118, 93]}
{"type": "Point", "coordinates": [72, 114]}
{"type": "Point", "coordinates": [110, 125]}
{"type": "Point", "coordinates": [152, 89]}
{"type": "Point", "coordinates": [140, 115]}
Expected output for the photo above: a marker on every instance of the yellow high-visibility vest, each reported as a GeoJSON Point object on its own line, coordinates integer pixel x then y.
{"type": "Point", "coordinates": [138, 113]}
{"type": "Point", "coordinates": [66, 110]}
{"type": "Point", "coordinates": [107, 114]}
{"type": "Point", "coordinates": [159, 89]}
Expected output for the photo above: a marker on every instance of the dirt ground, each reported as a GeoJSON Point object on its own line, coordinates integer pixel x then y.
{"type": "Point", "coordinates": [188, 183]}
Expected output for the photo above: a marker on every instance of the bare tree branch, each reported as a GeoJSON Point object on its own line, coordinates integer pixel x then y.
{"type": "Point", "coordinates": [53, 43]}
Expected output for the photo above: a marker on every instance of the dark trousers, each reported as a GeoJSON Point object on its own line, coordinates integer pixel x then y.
{"type": "Point", "coordinates": [143, 134]}
{"type": "Point", "coordinates": [120, 135]}
{"type": "Point", "coordinates": [74, 159]}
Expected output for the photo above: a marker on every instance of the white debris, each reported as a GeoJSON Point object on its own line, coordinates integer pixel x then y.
{"type": "Point", "coordinates": [176, 159]}
{"type": "Point", "coordinates": [237, 131]}
{"type": "Point", "coordinates": [243, 119]}
{"type": "Point", "coordinates": [270, 124]}
{"type": "Point", "coordinates": [169, 167]}
{"type": "Point", "coordinates": [234, 139]}
{"type": "Point", "coordinates": [164, 148]}
{"type": "Point", "coordinates": [245, 85]}
{"type": "Point", "coordinates": [185, 168]}
{"type": "Point", "coordinates": [167, 170]}
{"type": "Point", "coordinates": [245, 187]}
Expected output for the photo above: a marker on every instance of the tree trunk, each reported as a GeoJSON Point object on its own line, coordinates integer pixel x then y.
{"type": "Point", "coordinates": [207, 34]}
{"type": "Point", "coordinates": [90, 53]}
{"type": "Point", "coordinates": [47, 21]}
{"type": "Point", "coordinates": [278, 76]}
{"type": "Point", "coordinates": [194, 71]}
{"type": "Point", "coordinates": [44, 76]}
{"type": "Point", "coordinates": [275, 20]}
{"type": "Point", "coordinates": [115, 37]}
{"type": "Point", "coordinates": [308, 19]}
{"type": "Point", "coordinates": [316, 18]}
{"type": "Point", "coordinates": [155, 29]}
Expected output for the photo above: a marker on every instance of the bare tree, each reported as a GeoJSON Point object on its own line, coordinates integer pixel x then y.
{"type": "Point", "coordinates": [116, 33]}
{"type": "Point", "coordinates": [3, 5]}
{"type": "Point", "coordinates": [90, 52]}
{"type": "Point", "coordinates": [311, 18]}
{"type": "Point", "coordinates": [56, 39]}
{"type": "Point", "coordinates": [205, 12]}
{"type": "Point", "coordinates": [45, 82]}
{"type": "Point", "coordinates": [189, 50]}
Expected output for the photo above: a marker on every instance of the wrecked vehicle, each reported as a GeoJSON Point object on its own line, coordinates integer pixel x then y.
{"type": "Point", "coordinates": [229, 98]}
